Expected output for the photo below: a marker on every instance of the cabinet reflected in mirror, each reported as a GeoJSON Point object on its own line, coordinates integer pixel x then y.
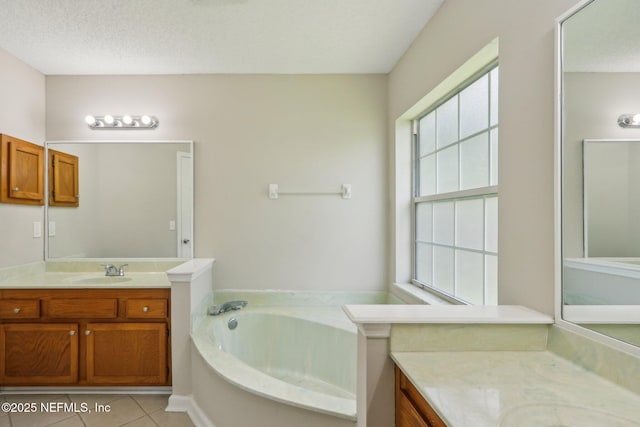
{"type": "Point", "coordinates": [600, 168]}
{"type": "Point", "coordinates": [135, 200]}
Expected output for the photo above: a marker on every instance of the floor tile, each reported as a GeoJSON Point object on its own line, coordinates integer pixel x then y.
{"type": "Point", "coordinates": [171, 419]}
{"type": "Point", "coordinates": [4, 416]}
{"type": "Point", "coordinates": [145, 421]}
{"type": "Point", "coordinates": [137, 410]}
{"type": "Point", "coordinates": [92, 399]}
{"type": "Point", "coordinates": [120, 411]}
{"type": "Point", "coordinates": [151, 402]}
{"type": "Point", "coordinates": [38, 419]}
{"type": "Point", "coordinates": [36, 398]}
{"type": "Point", "coordinates": [74, 421]}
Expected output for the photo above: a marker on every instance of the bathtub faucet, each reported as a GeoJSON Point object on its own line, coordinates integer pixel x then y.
{"type": "Point", "coordinates": [214, 310]}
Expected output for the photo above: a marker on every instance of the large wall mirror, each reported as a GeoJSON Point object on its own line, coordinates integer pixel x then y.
{"type": "Point", "coordinates": [600, 167]}
{"type": "Point", "coordinates": [135, 199]}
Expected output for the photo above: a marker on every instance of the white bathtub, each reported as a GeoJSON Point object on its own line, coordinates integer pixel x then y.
{"type": "Point", "coordinates": [601, 281]}
{"type": "Point", "coordinates": [304, 357]}
{"type": "Point", "coordinates": [601, 290]}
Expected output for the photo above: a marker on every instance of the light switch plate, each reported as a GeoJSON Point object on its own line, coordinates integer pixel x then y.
{"type": "Point", "coordinates": [346, 191]}
{"type": "Point", "coordinates": [37, 229]}
{"type": "Point", "coordinates": [273, 191]}
{"type": "Point", "coordinates": [52, 228]}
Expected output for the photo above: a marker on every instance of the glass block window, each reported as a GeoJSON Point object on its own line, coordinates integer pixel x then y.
{"type": "Point", "coordinates": [456, 193]}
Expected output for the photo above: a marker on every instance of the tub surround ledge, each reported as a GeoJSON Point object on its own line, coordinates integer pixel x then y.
{"type": "Point", "coordinates": [449, 314]}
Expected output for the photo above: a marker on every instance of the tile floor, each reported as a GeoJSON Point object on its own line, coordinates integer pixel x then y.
{"type": "Point", "coordinates": [89, 410]}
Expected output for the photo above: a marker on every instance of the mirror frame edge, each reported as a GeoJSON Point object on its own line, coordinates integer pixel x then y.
{"type": "Point", "coordinates": [46, 143]}
{"type": "Point", "coordinates": [557, 187]}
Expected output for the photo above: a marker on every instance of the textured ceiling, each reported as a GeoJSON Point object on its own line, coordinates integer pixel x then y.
{"type": "Point", "coordinates": [211, 36]}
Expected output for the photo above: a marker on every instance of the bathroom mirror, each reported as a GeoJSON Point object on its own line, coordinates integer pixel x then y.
{"type": "Point", "coordinates": [599, 66]}
{"type": "Point", "coordinates": [135, 201]}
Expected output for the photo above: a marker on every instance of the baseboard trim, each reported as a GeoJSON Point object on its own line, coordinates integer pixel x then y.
{"type": "Point", "coordinates": [186, 404]}
{"type": "Point", "coordinates": [85, 390]}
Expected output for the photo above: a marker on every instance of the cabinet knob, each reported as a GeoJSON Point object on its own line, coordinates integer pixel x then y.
{"type": "Point", "coordinates": [87, 332]}
{"type": "Point", "coordinates": [16, 189]}
{"type": "Point", "coordinates": [145, 309]}
{"type": "Point", "coordinates": [16, 310]}
{"type": "Point", "coordinates": [72, 333]}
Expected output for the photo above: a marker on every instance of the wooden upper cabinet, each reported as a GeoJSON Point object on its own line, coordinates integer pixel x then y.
{"type": "Point", "coordinates": [63, 179]}
{"type": "Point", "coordinates": [21, 171]}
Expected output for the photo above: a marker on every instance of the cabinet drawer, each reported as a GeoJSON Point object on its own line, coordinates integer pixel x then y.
{"type": "Point", "coordinates": [19, 309]}
{"type": "Point", "coordinates": [98, 308]}
{"type": "Point", "coordinates": [146, 308]}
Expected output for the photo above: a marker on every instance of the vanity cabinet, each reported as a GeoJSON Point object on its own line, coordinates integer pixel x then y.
{"type": "Point", "coordinates": [85, 337]}
{"type": "Point", "coordinates": [412, 410]}
{"type": "Point", "coordinates": [21, 171]}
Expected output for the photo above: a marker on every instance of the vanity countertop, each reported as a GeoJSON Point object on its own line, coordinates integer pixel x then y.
{"type": "Point", "coordinates": [78, 280]}
{"type": "Point", "coordinates": [516, 388]}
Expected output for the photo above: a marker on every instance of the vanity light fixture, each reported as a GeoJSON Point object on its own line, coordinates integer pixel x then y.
{"type": "Point", "coordinates": [629, 121]}
{"type": "Point", "coordinates": [121, 122]}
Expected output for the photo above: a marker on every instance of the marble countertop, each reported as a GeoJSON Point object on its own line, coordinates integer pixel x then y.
{"type": "Point", "coordinates": [79, 280]}
{"type": "Point", "coordinates": [516, 388]}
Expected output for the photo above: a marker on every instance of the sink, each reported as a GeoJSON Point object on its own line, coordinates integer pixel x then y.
{"type": "Point", "coordinates": [101, 280]}
{"type": "Point", "coordinates": [561, 415]}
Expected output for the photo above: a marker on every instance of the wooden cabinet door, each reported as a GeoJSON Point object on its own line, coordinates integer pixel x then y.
{"type": "Point", "coordinates": [406, 414]}
{"type": "Point", "coordinates": [21, 171]}
{"type": "Point", "coordinates": [412, 410]}
{"type": "Point", "coordinates": [38, 354]}
{"type": "Point", "coordinates": [63, 179]}
{"type": "Point", "coordinates": [127, 353]}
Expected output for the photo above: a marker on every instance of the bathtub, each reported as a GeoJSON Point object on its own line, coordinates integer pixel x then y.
{"type": "Point", "coordinates": [601, 281]}
{"type": "Point", "coordinates": [303, 357]}
{"type": "Point", "coordinates": [601, 290]}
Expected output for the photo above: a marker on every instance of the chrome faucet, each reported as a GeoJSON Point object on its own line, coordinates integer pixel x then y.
{"type": "Point", "coordinates": [214, 310]}
{"type": "Point", "coordinates": [111, 270]}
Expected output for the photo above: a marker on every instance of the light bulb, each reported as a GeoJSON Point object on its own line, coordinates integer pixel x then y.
{"type": "Point", "coordinates": [636, 119]}
{"type": "Point", "coordinates": [127, 120]}
{"type": "Point", "coordinates": [108, 119]}
{"type": "Point", "coordinates": [146, 120]}
{"type": "Point", "coordinates": [90, 120]}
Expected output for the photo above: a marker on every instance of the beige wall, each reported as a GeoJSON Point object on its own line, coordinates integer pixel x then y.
{"type": "Point", "coordinates": [525, 30]}
{"type": "Point", "coordinates": [22, 115]}
{"type": "Point", "coordinates": [305, 133]}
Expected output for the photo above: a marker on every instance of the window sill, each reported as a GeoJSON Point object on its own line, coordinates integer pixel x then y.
{"type": "Point", "coordinates": [412, 294]}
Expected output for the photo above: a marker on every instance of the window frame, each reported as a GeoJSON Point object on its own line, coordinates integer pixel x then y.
{"type": "Point", "coordinates": [453, 196]}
